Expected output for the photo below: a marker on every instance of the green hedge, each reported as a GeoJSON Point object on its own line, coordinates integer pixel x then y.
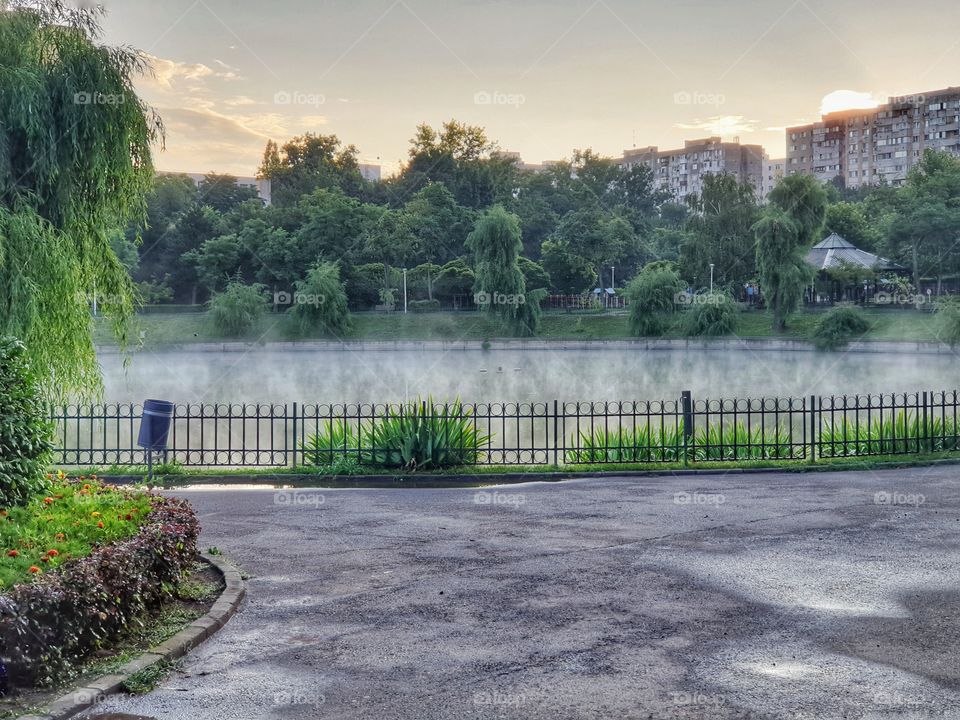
{"type": "Point", "coordinates": [25, 432]}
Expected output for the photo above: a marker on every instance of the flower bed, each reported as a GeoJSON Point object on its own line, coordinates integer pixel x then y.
{"type": "Point", "coordinates": [84, 562]}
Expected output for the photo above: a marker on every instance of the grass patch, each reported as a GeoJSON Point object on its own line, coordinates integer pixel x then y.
{"type": "Point", "coordinates": [147, 679]}
{"type": "Point", "coordinates": [67, 522]}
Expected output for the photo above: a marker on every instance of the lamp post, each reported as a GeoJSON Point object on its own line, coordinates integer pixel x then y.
{"type": "Point", "coordinates": [711, 278]}
{"type": "Point", "coordinates": [404, 291]}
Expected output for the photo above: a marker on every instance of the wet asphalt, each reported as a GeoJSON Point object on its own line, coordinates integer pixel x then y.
{"type": "Point", "coordinates": [782, 595]}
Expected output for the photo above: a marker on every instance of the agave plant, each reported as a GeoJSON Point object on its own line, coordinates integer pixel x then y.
{"type": "Point", "coordinates": [900, 433]}
{"type": "Point", "coordinates": [337, 439]}
{"type": "Point", "coordinates": [424, 435]}
{"type": "Point", "coordinates": [641, 443]}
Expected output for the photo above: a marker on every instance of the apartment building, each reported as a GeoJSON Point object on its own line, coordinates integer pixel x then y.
{"type": "Point", "coordinates": [773, 172]}
{"type": "Point", "coordinates": [262, 187]}
{"type": "Point", "coordinates": [681, 172]}
{"type": "Point", "coordinates": [879, 145]}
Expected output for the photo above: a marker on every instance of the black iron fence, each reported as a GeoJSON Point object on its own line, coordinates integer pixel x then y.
{"type": "Point", "coordinates": [684, 430]}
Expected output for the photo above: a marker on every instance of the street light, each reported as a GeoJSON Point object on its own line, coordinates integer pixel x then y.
{"type": "Point", "coordinates": [404, 291]}
{"type": "Point", "coordinates": [711, 277]}
{"type": "Point", "coordinates": [613, 281]}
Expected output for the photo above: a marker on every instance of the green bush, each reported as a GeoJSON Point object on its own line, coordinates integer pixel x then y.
{"type": "Point", "coordinates": [711, 314]}
{"type": "Point", "coordinates": [238, 309]}
{"type": "Point", "coordinates": [320, 302]}
{"type": "Point", "coordinates": [653, 296]}
{"type": "Point", "coordinates": [424, 305]}
{"type": "Point", "coordinates": [414, 435]}
{"type": "Point", "coordinates": [948, 321]}
{"type": "Point", "coordinates": [839, 326]}
{"type": "Point", "coordinates": [25, 432]}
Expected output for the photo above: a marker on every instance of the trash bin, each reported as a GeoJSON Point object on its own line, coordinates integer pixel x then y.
{"type": "Point", "coordinates": [155, 424]}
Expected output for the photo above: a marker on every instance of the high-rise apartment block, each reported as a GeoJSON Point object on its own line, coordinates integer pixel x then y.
{"type": "Point", "coordinates": [681, 172]}
{"type": "Point", "coordinates": [879, 145]}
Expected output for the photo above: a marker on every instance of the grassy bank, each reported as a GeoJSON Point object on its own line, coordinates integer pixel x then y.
{"type": "Point", "coordinates": [158, 330]}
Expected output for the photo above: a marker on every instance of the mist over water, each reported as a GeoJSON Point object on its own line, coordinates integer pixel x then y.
{"type": "Point", "coordinates": [332, 376]}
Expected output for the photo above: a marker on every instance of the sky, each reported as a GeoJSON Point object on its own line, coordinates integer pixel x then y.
{"type": "Point", "coordinates": [542, 77]}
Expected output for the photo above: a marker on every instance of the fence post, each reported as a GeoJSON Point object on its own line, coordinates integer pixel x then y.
{"type": "Point", "coordinates": [687, 404]}
{"type": "Point", "coordinates": [813, 429]}
{"type": "Point", "coordinates": [556, 441]}
{"type": "Point", "coordinates": [294, 435]}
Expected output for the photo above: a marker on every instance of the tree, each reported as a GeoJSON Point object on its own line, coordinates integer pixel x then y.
{"type": "Point", "coordinates": [927, 228]}
{"type": "Point", "coordinates": [720, 233]}
{"type": "Point", "coordinates": [320, 301]}
{"type": "Point", "coordinates": [570, 273]}
{"type": "Point", "coordinates": [791, 224]}
{"type": "Point", "coordinates": [237, 310]}
{"type": "Point", "coordinates": [75, 165]}
{"type": "Point", "coordinates": [499, 287]}
{"type": "Point", "coordinates": [310, 162]}
{"type": "Point", "coordinates": [653, 296]}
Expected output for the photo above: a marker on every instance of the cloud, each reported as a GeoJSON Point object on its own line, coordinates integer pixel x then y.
{"type": "Point", "coordinates": [168, 73]}
{"type": "Point", "coordinates": [847, 100]}
{"type": "Point", "coordinates": [722, 125]}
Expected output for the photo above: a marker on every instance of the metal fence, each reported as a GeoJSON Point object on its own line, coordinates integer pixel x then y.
{"type": "Point", "coordinates": [553, 432]}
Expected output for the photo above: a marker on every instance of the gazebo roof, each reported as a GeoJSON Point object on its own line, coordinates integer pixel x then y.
{"type": "Point", "coordinates": [835, 251]}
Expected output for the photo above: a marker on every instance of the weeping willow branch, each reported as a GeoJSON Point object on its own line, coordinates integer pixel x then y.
{"type": "Point", "coordinates": [75, 165]}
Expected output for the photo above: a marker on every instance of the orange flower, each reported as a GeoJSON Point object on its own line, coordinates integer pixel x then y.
{"type": "Point", "coordinates": [48, 500]}
{"type": "Point", "coordinates": [13, 553]}
{"type": "Point", "coordinates": [34, 569]}
{"type": "Point", "coordinates": [52, 553]}
{"type": "Point", "coordinates": [59, 537]}
{"type": "Point", "coordinates": [100, 524]}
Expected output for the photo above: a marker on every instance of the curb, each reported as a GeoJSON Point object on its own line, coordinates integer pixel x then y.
{"type": "Point", "coordinates": [454, 480]}
{"type": "Point", "coordinates": [89, 694]}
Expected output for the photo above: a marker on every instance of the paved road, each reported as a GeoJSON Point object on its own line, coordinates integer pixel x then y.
{"type": "Point", "coordinates": [740, 596]}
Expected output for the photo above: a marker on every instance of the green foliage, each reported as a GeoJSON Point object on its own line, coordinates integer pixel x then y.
{"type": "Point", "coordinates": [75, 166]}
{"type": "Point", "coordinates": [781, 266]}
{"type": "Point", "coordinates": [416, 435]}
{"type": "Point", "coordinates": [238, 309]}
{"type": "Point", "coordinates": [570, 274]}
{"type": "Point", "coordinates": [839, 326]}
{"type": "Point", "coordinates": [711, 314]}
{"type": "Point", "coordinates": [653, 297]}
{"type": "Point", "coordinates": [902, 432]}
{"type": "Point", "coordinates": [499, 284]}
{"type": "Point", "coordinates": [321, 301]}
{"type": "Point", "coordinates": [25, 433]}
{"type": "Point", "coordinates": [534, 275]}
{"type": "Point", "coordinates": [87, 601]}
{"type": "Point", "coordinates": [947, 318]}
{"type": "Point", "coordinates": [651, 443]}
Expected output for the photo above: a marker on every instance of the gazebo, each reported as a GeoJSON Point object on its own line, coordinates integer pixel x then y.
{"type": "Point", "coordinates": [848, 272]}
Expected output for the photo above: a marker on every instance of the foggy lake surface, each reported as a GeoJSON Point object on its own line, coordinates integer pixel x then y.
{"type": "Point", "coordinates": [344, 375]}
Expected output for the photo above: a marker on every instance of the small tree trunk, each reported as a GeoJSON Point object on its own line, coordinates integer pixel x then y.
{"type": "Point", "coordinates": [916, 268]}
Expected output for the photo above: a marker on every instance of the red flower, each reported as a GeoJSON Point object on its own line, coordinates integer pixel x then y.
{"type": "Point", "coordinates": [129, 516]}
{"type": "Point", "coordinates": [47, 500]}
{"type": "Point", "coordinates": [100, 524]}
{"type": "Point", "coordinates": [34, 569]}
{"type": "Point", "coordinates": [52, 553]}
{"type": "Point", "coordinates": [13, 553]}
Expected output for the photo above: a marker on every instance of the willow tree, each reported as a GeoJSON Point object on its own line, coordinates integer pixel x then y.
{"type": "Point", "coordinates": [499, 286]}
{"type": "Point", "coordinates": [75, 166]}
{"type": "Point", "coordinates": [784, 234]}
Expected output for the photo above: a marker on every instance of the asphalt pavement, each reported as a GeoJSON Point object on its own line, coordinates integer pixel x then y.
{"type": "Point", "coordinates": [780, 595]}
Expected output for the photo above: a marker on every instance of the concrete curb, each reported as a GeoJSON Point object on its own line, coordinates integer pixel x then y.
{"type": "Point", "coordinates": [89, 694]}
{"type": "Point", "coordinates": [506, 477]}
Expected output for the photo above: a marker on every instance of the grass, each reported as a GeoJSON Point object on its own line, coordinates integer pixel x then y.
{"type": "Point", "coordinates": [161, 330]}
{"type": "Point", "coordinates": [66, 522]}
{"type": "Point", "coordinates": [901, 433]}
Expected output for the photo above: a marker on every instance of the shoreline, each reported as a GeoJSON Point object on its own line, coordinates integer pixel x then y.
{"type": "Point", "coordinates": [640, 345]}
